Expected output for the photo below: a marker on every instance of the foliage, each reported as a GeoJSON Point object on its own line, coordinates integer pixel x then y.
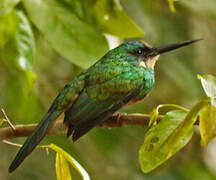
{"type": "Point", "coordinates": [155, 149]}
{"type": "Point", "coordinates": [171, 5]}
{"type": "Point", "coordinates": [175, 130]}
{"type": "Point", "coordinates": [17, 46]}
{"type": "Point", "coordinates": [45, 43]}
{"type": "Point", "coordinates": [63, 160]}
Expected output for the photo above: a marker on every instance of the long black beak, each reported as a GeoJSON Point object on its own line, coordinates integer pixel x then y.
{"type": "Point", "coordinates": [170, 47]}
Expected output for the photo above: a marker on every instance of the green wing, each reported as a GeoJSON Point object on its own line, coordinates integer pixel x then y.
{"type": "Point", "coordinates": [103, 95]}
{"type": "Point", "coordinates": [92, 113]}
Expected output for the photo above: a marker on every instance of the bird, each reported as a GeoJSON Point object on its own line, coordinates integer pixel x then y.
{"type": "Point", "coordinates": [123, 76]}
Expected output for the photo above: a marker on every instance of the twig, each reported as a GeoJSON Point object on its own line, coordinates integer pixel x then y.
{"type": "Point", "coordinates": [11, 143]}
{"type": "Point", "coordinates": [118, 120]}
{"type": "Point", "coordinates": [8, 121]}
{"type": "Point", "coordinates": [24, 130]}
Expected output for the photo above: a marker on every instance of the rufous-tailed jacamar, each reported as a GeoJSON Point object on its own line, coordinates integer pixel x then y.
{"type": "Point", "coordinates": [123, 76]}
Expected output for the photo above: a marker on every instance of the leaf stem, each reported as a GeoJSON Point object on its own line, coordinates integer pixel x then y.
{"type": "Point", "coordinates": [172, 106]}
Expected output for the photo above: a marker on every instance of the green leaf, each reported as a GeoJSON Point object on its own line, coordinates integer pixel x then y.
{"type": "Point", "coordinates": [171, 5]}
{"type": "Point", "coordinates": [187, 124]}
{"type": "Point", "coordinates": [8, 27]}
{"type": "Point", "coordinates": [18, 51]}
{"type": "Point", "coordinates": [112, 19]}
{"type": "Point", "coordinates": [155, 112]}
{"type": "Point", "coordinates": [6, 6]}
{"type": "Point", "coordinates": [70, 160]}
{"type": "Point", "coordinates": [208, 114]}
{"type": "Point", "coordinates": [62, 168]}
{"type": "Point", "coordinates": [80, 8]}
{"type": "Point", "coordinates": [208, 124]}
{"type": "Point", "coordinates": [209, 85]}
{"type": "Point", "coordinates": [155, 149]}
{"type": "Point", "coordinates": [77, 41]}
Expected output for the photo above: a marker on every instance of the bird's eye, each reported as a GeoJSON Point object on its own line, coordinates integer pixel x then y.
{"type": "Point", "coordinates": [140, 51]}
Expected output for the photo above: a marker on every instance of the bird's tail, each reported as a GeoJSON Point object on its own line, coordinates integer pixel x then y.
{"type": "Point", "coordinates": [34, 139]}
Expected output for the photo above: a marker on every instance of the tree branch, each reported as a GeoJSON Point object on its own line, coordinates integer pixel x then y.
{"type": "Point", "coordinates": [118, 120]}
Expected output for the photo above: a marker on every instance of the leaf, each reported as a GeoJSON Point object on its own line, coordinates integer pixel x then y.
{"type": "Point", "coordinates": [155, 112]}
{"type": "Point", "coordinates": [187, 124]}
{"type": "Point", "coordinates": [19, 50]}
{"type": "Point", "coordinates": [208, 124]}
{"type": "Point", "coordinates": [77, 41]}
{"type": "Point", "coordinates": [154, 150]}
{"type": "Point", "coordinates": [208, 114]}
{"type": "Point", "coordinates": [62, 168]}
{"type": "Point", "coordinates": [112, 19]}
{"type": "Point", "coordinates": [6, 6]}
{"type": "Point", "coordinates": [8, 27]}
{"type": "Point", "coordinates": [80, 8]}
{"type": "Point", "coordinates": [171, 5]}
{"type": "Point", "coordinates": [209, 85]}
{"type": "Point", "coordinates": [106, 15]}
{"type": "Point", "coordinates": [71, 161]}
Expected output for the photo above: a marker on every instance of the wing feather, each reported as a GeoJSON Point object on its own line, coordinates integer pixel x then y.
{"type": "Point", "coordinates": [99, 101]}
{"type": "Point", "coordinates": [83, 127]}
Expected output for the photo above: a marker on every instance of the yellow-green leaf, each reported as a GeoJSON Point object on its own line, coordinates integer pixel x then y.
{"type": "Point", "coordinates": [8, 27]}
{"type": "Point", "coordinates": [171, 5]}
{"type": "Point", "coordinates": [71, 161]}
{"type": "Point", "coordinates": [6, 6]}
{"type": "Point", "coordinates": [187, 124]}
{"type": "Point", "coordinates": [18, 49]}
{"type": "Point", "coordinates": [155, 112]}
{"type": "Point", "coordinates": [208, 124]}
{"type": "Point", "coordinates": [111, 18]}
{"type": "Point", "coordinates": [154, 150]}
{"type": "Point", "coordinates": [209, 85]}
{"type": "Point", "coordinates": [62, 168]}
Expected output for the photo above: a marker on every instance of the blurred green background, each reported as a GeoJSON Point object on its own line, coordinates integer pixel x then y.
{"type": "Point", "coordinates": [45, 43]}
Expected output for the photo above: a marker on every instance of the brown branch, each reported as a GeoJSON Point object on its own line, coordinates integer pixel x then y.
{"type": "Point", "coordinates": [24, 130]}
{"type": "Point", "coordinates": [118, 120]}
{"type": "Point", "coordinates": [123, 119]}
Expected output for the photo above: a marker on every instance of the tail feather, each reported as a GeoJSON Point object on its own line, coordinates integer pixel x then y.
{"type": "Point", "coordinates": [34, 139]}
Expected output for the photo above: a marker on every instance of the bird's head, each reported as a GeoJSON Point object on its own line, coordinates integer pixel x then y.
{"type": "Point", "coordinates": [142, 54]}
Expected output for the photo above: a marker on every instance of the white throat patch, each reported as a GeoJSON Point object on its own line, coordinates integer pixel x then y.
{"type": "Point", "coordinates": [149, 63]}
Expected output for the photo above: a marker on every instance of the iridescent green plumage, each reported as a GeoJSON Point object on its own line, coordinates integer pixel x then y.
{"type": "Point", "coordinates": [124, 75]}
